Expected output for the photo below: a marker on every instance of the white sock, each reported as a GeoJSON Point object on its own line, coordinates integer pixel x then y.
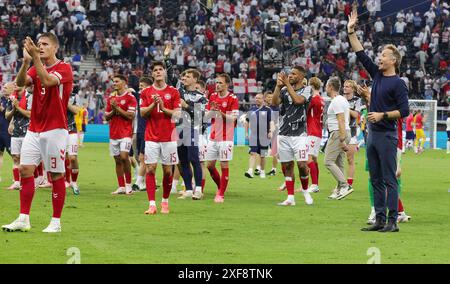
{"type": "Point", "coordinates": [448, 146]}
{"type": "Point", "coordinates": [56, 221]}
{"type": "Point", "coordinates": [291, 198]}
{"type": "Point", "coordinates": [165, 200]}
{"type": "Point", "coordinates": [24, 217]}
{"type": "Point", "coordinates": [198, 188]}
{"type": "Point", "coordinates": [250, 170]}
{"type": "Point", "coordinates": [174, 184]}
{"type": "Point", "coordinates": [263, 171]}
{"type": "Point", "coordinates": [139, 179]}
{"type": "Point", "coordinates": [152, 203]}
{"type": "Point", "coordinates": [258, 168]}
{"type": "Point", "coordinates": [372, 209]}
{"type": "Point", "coordinates": [189, 191]}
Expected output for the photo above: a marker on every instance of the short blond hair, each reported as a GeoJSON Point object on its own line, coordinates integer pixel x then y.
{"type": "Point", "coordinates": [315, 83]}
{"type": "Point", "coordinates": [353, 84]}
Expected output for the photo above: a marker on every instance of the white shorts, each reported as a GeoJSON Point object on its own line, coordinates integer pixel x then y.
{"type": "Point", "coordinates": [292, 148]}
{"type": "Point", "coordinates": [119, 145]}
{"type": "Point", "coordinates": [219, 150]}
{"type": "Point", "coordinates": [202, 147]}
{"type": "Point", "coordinates": [72, 144]}
{"type": "Point", "coordinates": [353, 141]}
{"type": "Point", "coordinates": [49, 147]}
{"type": "Point", "coordinates": [165, 152]}
{"type": "Point", "coordinates": [313, 143]}
{"type": "Point", "coordinates": [16, 145]}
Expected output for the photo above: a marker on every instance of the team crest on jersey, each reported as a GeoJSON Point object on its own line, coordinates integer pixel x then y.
{"type": "Point", "coordinates": [167, 96]}
{"type": "Point", "coordinates": [224, 104]}
{"type": "Point", "coordinates": [122, 102]}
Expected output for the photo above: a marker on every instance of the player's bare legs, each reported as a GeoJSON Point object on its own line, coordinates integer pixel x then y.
{"type": "Point", "coordinates": [176, 178]}
{"type": "Point", "coordinates": [352, 149]}
{"type": "Point", "coordinates": [74, 169]}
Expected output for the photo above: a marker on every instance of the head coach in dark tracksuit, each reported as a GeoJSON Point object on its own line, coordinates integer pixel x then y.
{"type": "Point", "coordinates": [388, 102]}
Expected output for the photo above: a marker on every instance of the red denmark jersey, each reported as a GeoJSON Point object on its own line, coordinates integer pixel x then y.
{"type": "Point", "coordinates": [409, 121]}
{"type": "Point", "coordinates": [314, 117]}
{"type": "Point", "coordinates": [160, 127]}
{"type": "Point", "coordinates": [120, 127]}
{"type": "Point", "coordinates": [221, 130]}
{"type": "Point", "coordinates": [50, 104]}
{"type": "Point", "coordinates": [400, 133]}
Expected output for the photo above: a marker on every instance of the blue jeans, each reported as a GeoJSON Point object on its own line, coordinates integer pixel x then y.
{"type": "Point", "coordinates": [382, 159]}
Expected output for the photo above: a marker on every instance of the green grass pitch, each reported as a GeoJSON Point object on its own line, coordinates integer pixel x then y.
{"type": "Point", "coordinates": [247, 228]}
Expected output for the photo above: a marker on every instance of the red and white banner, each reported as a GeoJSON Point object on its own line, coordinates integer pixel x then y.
{"type": "Point", "coordinates": [245, 86]}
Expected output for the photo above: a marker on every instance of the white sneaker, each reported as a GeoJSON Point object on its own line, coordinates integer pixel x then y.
{"type": "Point", "coordinates": [15, 186]}
{"type": "Point", "coordinates": [262, 175]}
{"type": "Point", "coordinates": [248, 174]}
{"type": "Point", "coordinates": [314, 188]}
{"type": "Point", "coordinates": [308, 199]}
{"type": "Point", "coordinates": [287, 203]}
{"type": "Point", "coordinates": [44, 183]}
{"type": "Point", "coordinates": [334, 194]}
{"type": "Point", "coordinates": [128, 189]}
{"type": "Point", "coordinates": [67, 184]}
{"type": "Point", "coordinates": [20, 224]}
{"type": "Point", "coordinates": [120, 190]}
{"type": "Point", "coordinates": [53, 227]}
{"type": "Point", "coordinates": [75, 188]}
{"type": "Point", "coordinates": [198, 195]}
{"type": "Point", "coordinates": [403, 218]}
{"type": "Point", "coordinates": [187, 194]}
{"type": "Point", "coordinates": [344, 191]}
{"type": "Point", "coordinates": [371, 219]}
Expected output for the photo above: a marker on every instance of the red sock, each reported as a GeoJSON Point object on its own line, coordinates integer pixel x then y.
{"type": "Point", "coordinates": [224, 181]}
{"type": "Point", "coordinates": [203, 185]}
{"type": "Point", "coordinates": [121, 181]}
{"type": "Point", "coordinates": [400, 206]}
{"type": "Point", "coordinates": [40, 169]}
{"type": "Point", "coordinates": [66, 164]}
{"type": "Point", "coordinates": [317, 172]}
{"type": "Point", "coordinates": [128, 178]}
{"type": "Point", "coordinates": [74, 174]}
{"type": "Point", "coordinates": [26, 195]}
{"type": "Point", "coordinates": [289, 185]}
{"type": "Point", "coordinates": [350, 181]}
{"type": "Point", "coordinates": [304, 181]}
{"type": "Point", "coordinates": [167, 186]}
{"type": "Point", "coordinates": [16, 174]}
{"type": "Point", "coordinates": [313, 173]}
{"type": "Point", "coordinates": [215, 176]}
{"type": "Point", "coordinates": [150, 183]}
{"type": "Point", "coordinates": [58, 197]}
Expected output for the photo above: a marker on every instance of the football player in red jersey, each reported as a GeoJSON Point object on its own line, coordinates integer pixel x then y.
{"type": "Point", "coordinates": [223, 110]}
{"type": "Point", "coordinates": [46, 138]}
{"type": "Point", "coordinates": [160, 103]}
{"type": "Point", "coordinates": [120, 111]}
{"type": "Point", "coordinates": [314, 122]}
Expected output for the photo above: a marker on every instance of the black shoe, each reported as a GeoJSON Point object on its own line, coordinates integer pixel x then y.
{"type": "Point", "coordinates": [256, 172]}
{"type": "Point", "coordinates": [271, 173]}
{"type": "Point", "coordinates": [248, 175]}
{"type": "Point", "coordinates": [390, 227]}
{"type": "Point", "coordinates": [375, 227]}
{"type": "Point", "coordinates": [135, 187]}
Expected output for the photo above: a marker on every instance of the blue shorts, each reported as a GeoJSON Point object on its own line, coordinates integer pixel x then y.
{"type": "Point", "coordinates": [5, 142]}
{"type": "Point", "coordinates": [410, 135]}
{"type": "Point", "coordinates": [188, 154]}
{"type": "Point", "coordinates": [260, 150]}
{"type": "Point", "coordinates": [140, 143]}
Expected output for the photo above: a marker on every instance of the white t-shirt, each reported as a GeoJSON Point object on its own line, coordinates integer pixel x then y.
{"type": "Point", "coordinates": [338, 105]}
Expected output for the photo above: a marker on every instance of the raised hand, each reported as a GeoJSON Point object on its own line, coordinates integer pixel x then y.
{"type": "Point", "coordinates": [167, 49]}
{"type": "Point", "coordinates": [31, 48]}
{"type": "Point", "coordinates": [352, 19]}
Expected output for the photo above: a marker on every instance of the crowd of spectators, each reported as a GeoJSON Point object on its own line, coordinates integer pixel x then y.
{"type": "Point", "coordinates": [218, 36]}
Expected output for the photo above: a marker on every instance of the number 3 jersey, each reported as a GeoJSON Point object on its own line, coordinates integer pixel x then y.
{"type": "Point", "coordinates": [50, 103]}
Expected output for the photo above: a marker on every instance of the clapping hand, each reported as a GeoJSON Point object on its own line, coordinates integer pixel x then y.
{"type": "Point", "coordinates": [30, 48]}
{"type": "Point", "coordinates": [352, 19]}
